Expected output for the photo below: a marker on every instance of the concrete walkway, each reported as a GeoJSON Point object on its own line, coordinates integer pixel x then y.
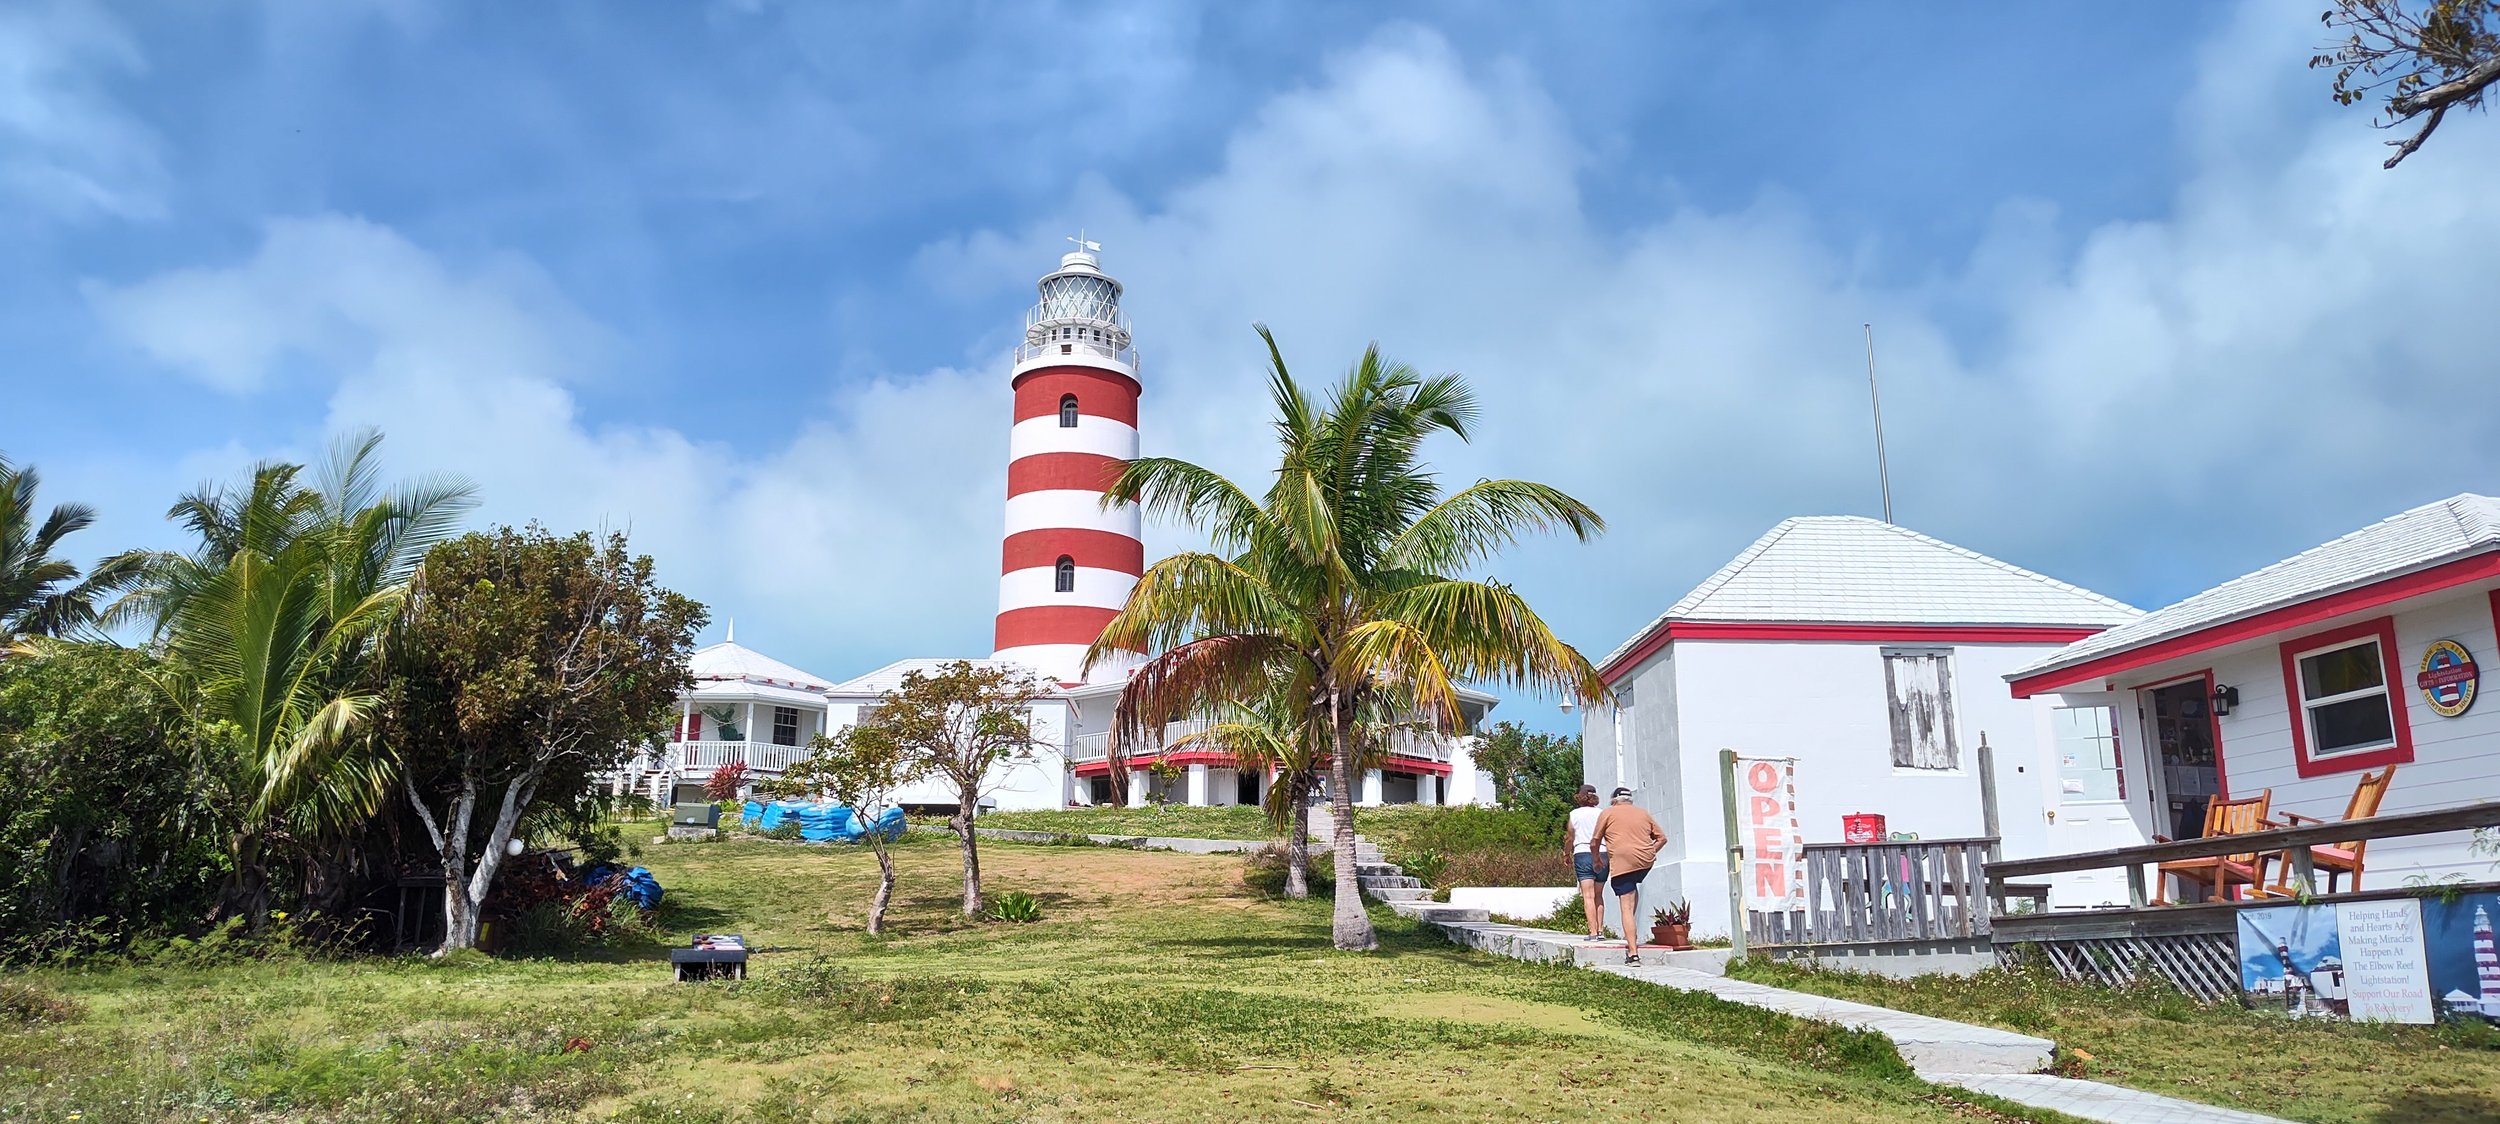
{"type": "Point", "coordinates": [1982, 1059]}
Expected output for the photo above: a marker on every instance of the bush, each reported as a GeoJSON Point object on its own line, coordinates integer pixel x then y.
{"type": "Point", "coordinates": [1263, 870]}
{"type": "Point", "coordinates": [1429, 866]}
{"type": "Point", "coordinates": [101, 815]}
{"type": "Point", "coordinates": [787, 830]}
{"type": "Point", "coordinates": [725, 782]}
{"type": "Point", "coordinates": [1449, 830]}
{"type": "Point", "coordinates": [22, 1002]}
{"type": "Point", "coordinates": [1506, 868]}
{"type": "Point", "coordinates": [1016, 906]}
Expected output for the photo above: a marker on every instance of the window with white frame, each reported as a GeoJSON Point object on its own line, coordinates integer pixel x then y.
{"type": "Point", "coordinates": [1918, 685]}
{"type": "Point", "coordinates": [2087, 753]}
{"type": "Point", "coordinates": [2343, 698]}
{"type": "Point", "coordinates": [785, 725]}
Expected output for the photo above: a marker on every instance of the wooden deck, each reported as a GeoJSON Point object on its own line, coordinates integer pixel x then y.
{"type": "Point", "coordinates": [2194, 945]}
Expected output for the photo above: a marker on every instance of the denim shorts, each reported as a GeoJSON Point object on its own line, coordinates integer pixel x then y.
{"type": "Point", "coordinates": [1629, 883]}
{"type": "Point", "coordinates": [1587, 867]}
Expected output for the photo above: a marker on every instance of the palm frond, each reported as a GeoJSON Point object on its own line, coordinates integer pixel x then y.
{"type": "Point", "coordinates": [1479, 521]}
{"type": "Point", "coordinates": [1486, 631]}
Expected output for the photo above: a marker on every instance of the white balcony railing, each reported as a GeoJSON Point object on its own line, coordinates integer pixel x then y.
{"type": "Point", "coordinates": [1403, 743]}
{"type": "Point", "coordinates": [700, 758]}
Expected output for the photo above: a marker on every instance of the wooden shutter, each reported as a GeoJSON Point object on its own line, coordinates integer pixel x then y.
{"type": "Point", "coordinates": [1918, 684]}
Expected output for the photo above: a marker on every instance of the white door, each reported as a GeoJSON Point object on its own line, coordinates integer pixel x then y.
{"type": "Point", "coordinates": [2088, 811]}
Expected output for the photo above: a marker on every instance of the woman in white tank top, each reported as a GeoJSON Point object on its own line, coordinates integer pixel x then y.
{"type": "Point", "coordinates": [1587, 863]}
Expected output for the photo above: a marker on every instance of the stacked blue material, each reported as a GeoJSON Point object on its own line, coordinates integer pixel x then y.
{"type": "Point", "coordinates": [640, 887]}
{"type": "Point", "coordinates": [821, 823]}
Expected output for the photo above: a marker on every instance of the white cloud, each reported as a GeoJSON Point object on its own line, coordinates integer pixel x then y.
{"type": "Point", "coordinates": [2275, 360]}
{"type": "Point", "coordinates": [67, 148]}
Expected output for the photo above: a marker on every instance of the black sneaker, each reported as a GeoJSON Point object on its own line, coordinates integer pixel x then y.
{"type": "Point", "coordinates": [1631, 960]}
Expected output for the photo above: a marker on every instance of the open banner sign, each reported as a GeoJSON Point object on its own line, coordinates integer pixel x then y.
{"type": "Point", "coordinates": [1774, 867]}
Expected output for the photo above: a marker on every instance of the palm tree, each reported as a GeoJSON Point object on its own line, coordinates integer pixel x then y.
{"type": "Point", "coordinates": [1337, 584]}
{"type": "Point", "coordinates": [42, 594]}
{"type": "Point", "coordinates": [1270, 736]}
{"type": "Point", "coordinates": [272, 628]}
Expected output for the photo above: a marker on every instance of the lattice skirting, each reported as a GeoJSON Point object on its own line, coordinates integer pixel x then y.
{"type": "Point", "coordinates": [2204, 965]}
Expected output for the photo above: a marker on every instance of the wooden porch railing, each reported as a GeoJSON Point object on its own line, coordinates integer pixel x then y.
{"type": "Point", "coordinates": [2289, 844]}
{"type": "Point", "coordinates": [1869, 893]}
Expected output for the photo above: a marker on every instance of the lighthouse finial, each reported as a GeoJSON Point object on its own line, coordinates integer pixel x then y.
{"type": "Point", "coordinates": [1082, 244]}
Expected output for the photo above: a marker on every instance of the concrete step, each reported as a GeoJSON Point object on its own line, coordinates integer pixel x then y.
{"type": "Point", "coordinates": [1379, 870]}
{"type": "Point", "coordinates": [1390, 881]}
{"type": "Point", "coordinates": [1399, 893]}
{"type": "Point", "coordinates": [1438, 912]}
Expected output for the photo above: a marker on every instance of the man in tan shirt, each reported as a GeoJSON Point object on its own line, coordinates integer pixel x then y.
{"type": "Point", "coordinates": [1631, 840]}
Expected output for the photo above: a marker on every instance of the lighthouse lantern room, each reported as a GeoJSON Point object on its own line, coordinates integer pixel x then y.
{"type": "Point", "coordinates": [1068, 561]}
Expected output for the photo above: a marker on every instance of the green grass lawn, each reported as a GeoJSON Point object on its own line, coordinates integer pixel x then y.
{"type": "Point", "coordinates": [1172, 821]}
{"type": "Point", "coordinates": [1156, 987]}
{"type": "Point", "coordinates": [2154, 1038]}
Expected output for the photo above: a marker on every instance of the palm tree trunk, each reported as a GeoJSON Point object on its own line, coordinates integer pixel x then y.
{"type": "Point", "coordinates": [1298, 842]}
{"type": "Point", "coordinates": [1351, 928]}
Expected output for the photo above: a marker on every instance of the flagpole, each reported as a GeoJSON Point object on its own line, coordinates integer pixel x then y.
{"type": "Point", "coordinates": [1883, 471]}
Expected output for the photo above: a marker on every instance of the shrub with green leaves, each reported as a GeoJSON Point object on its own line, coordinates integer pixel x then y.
{"type": "Point", "coordinates": [22, 1002]}
{"type": "Point", "coordinates": [101, 814]}
{"type": "Point", "coordinates": [1016, 906]}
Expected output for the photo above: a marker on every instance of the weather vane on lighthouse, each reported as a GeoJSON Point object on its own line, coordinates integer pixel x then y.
{"type": "Point", "coordinates": [1082, 244]}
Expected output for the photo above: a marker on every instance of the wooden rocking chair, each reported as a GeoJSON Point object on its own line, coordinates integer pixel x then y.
{"type": "Point", "coordinates": [2221, 872]}
{"type": "Point", "coordinates": [2337, 859]}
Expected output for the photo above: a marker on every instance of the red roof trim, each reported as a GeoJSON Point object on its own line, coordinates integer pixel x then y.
{"type": "Point", "coordinates": [2301, 614]}
{"type": "Point", "coordinates": [1844, 634]}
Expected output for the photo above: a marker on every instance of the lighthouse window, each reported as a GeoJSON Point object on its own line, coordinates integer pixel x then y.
{"type": "Point", "coordinates": [1067, 411]}
{"type": "Point", "coordinates": [1066, 582]}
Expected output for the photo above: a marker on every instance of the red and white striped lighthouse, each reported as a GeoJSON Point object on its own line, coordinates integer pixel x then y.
{"type": "Point", "coordinates": [1068, 564]}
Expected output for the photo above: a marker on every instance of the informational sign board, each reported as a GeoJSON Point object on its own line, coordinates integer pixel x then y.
{"type": "Point", "coordinates": [1774, 870]}
{"type": "Point", "coordinates": [2358, 960]}
{"type": "Point", "coordinates": [2386, 977]}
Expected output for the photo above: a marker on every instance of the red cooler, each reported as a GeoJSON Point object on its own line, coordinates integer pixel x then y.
{"type": "Point", "coordinates": [1862, 828]}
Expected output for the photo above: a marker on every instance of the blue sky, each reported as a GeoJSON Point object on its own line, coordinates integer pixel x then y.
{"type": "Point", "coordinates": [742, 277]}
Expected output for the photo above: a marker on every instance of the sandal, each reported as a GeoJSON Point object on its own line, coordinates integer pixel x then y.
{"type": "Point", "coordinates": [1631, 960]}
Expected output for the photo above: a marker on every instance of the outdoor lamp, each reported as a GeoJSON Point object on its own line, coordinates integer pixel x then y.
{"type": "Point", "coordinates": [2224, 699]}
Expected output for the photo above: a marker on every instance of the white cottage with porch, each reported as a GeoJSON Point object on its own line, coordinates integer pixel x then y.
{"type": "Point", "coordinates": [2296, 682]}
{"type": "Point", "coordinates": [1874, 657]}
{"type": "Point", "coordinates": [744, 706]}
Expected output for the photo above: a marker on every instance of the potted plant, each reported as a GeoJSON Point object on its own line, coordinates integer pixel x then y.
{"type": "Point", "coordinates": [1671, 926]}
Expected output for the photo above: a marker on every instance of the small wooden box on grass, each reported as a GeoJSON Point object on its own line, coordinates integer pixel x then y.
{"type": "Point", "coordinates": [712, 956]}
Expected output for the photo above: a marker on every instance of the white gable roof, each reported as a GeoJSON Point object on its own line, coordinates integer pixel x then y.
{"type": "Point", "coordinates": [2423, 537]}
{"type": "Point", "coordinates": [744, 690]}
{"type": "Point", "coordinates": [1848, 569]}
{"type": "Point", "coordinates": [730, 660]}
{"type": "Point", "coordinates": [891, 675]}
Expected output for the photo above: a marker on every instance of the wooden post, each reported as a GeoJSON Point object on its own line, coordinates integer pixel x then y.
{"type": "Point", "coordinates": [1988, 823]}
{"type": "Point", "coordinates": [1735, 856]}
{"type": "Point", "coordinates": [2304, 870]}
{"type": "Point", "coordinates": [2135, 885]}
{"type": "Point", "coordinates": [1988, 794]}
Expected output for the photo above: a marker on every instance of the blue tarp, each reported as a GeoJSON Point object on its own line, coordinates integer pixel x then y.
{"type": "Point", "coordinates": [821, 823]}
{"type": "Point", "coordinates": [640, 887]}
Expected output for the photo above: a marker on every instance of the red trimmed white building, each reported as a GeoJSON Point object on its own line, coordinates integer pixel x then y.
{"type": "Point", "coordinates": [1874, 656]}
{"type": "Point", "coordinates": [2298, 678]}
{"type": "Point", "coordinates": [1067, 563]}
